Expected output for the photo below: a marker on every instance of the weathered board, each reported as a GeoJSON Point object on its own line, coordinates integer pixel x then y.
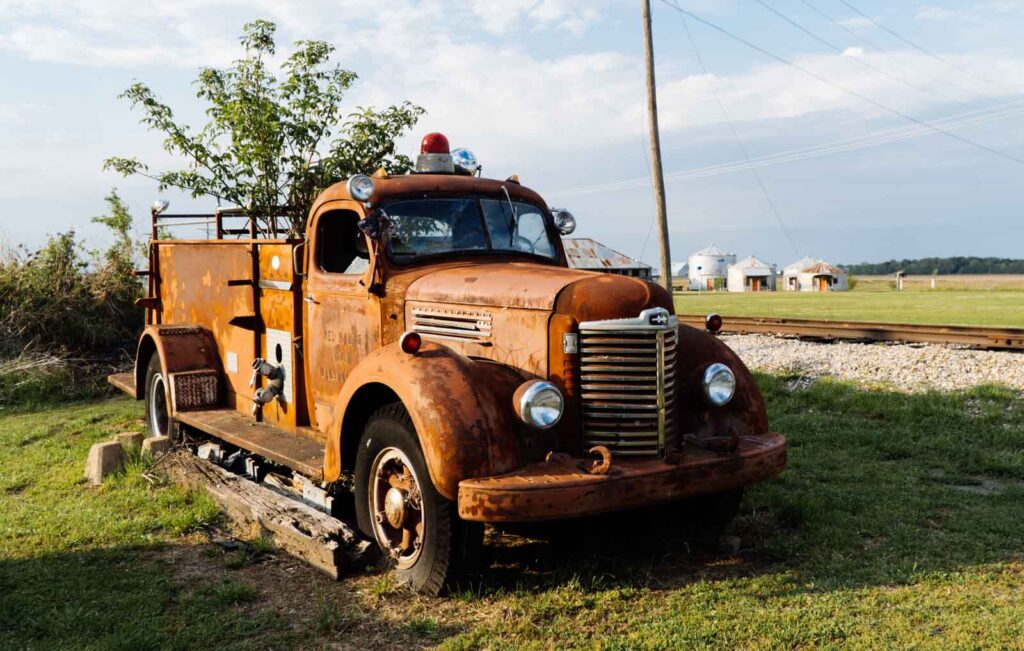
{"type": "Point", "coordinates": [312, 536]}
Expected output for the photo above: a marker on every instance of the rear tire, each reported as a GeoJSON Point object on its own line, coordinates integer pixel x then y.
{"type": "Point", "coordinates": [398, 506]}
{"type": "Point", "coordinates": [158, 420]}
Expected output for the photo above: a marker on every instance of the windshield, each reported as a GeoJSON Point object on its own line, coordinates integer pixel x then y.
{"type": "Point", "coordinates": [425, 227]}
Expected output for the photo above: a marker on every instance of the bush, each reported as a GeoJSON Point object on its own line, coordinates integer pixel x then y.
{"type": "Point", "coordinates": [63, 309]}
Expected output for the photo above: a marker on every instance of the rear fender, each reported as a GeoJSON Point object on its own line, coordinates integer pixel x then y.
{"type": "Point", "coordinates": [461, 408]}
{"type": "Point", "coordinates": [188, 356]}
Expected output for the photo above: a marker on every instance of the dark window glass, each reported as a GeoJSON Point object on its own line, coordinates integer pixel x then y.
{"type": "Point", "coordinates": [424, 227]}
{"type": "Point", "coordinates": [341, 246]}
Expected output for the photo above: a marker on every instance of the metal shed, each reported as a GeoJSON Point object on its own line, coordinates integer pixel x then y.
{"type": "Point", "coordinates": [813, 275]}
{"type": "Point", "coordinates": [591, 255]}
{"type": "Point", "coordinates": [751, 275]}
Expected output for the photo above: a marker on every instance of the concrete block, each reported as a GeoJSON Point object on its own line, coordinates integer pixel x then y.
{"type": "Point", "coordinates": [154, 446]}
{"type": "Point", "coordinates": [104, 459]}
{"type": "Point", "coordinates": [210, 452]}
{"type": "Point", "coordinates": [130, 440]}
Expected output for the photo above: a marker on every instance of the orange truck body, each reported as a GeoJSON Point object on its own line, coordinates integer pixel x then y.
{"type": "Point", "coordinates": [488, 324]}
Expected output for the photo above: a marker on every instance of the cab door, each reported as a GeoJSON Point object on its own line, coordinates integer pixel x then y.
{"type": "Point", "coordinates": [341, 317]}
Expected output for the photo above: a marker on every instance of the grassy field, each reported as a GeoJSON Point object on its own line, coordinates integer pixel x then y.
{"type": "Point", "coordinates": [949, 307]}
{"type": "Point", "coordinates": [898, 524]}
{"type": "Point", "coordinates": [977, 282]}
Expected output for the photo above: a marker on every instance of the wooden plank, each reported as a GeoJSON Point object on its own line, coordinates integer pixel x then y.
{"type": "Point", "coordinates": [326, 543]}
{"type": "Point", "coordinates": [124, 382]}
{"type": "Point", "coordinates": [295, 451]}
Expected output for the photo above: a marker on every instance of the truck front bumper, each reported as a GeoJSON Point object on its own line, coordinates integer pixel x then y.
{"type": "Point", "coordinates": [562, 488]}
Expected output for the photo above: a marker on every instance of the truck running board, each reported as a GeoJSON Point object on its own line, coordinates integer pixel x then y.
{"type": "Point", "coordinates": [299, 453]}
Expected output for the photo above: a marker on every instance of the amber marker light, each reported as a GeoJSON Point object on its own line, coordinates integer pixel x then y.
{"type": "Point", "coordinates": [410, 342]}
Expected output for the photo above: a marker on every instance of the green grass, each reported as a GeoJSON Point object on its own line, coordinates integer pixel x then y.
{"type": "Point", "coordinates": [80, 566]}
{"type": "Point", "coordinates": [899, 523]}
{"type": "Point", "coordinates": [953, 307]}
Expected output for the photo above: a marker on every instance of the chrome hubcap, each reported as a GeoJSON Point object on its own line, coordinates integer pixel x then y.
{"type": "Point", "coordinates": [396, 506]}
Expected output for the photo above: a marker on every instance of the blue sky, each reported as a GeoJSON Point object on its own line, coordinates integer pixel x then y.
{"type": "Point", "coordinates": [553, 90]}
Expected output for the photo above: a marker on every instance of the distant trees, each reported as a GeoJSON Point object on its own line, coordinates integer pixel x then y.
{"type": "Point", "coordinates": [942, 266]}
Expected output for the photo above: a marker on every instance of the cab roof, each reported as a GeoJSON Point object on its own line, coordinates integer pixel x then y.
{"type": "Point", "coordinates": [387, 187]}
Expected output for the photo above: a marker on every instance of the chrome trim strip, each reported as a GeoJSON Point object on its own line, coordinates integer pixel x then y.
{"type": "Point", "coordinates": [282, 285]}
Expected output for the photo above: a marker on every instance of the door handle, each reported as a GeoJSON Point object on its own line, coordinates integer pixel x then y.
{"type": "Point", "coordinates": [310, 299]}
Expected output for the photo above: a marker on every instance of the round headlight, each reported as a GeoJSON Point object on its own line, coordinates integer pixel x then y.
{"type": "Point", "coordinates": [360, 187]}
{"type": "Point", "coordinates": [538, 404]}
{"type": "Point", "coordinates": [565, 222]}
{"type": "Point", "coordinates": [719, 384]}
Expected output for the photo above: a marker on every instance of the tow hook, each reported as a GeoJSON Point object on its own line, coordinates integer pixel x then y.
{"type": "Point", "coordinates": [602, 466]}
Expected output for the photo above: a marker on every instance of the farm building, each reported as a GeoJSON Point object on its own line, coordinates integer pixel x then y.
{"type": "Point", "coordinates": [591, 255]}
{"type": "Point", "coordinates": [751, 275]}
{"type": "Point", "coordinates": [680, 276]}
{"type": "Point", "coordinates": [811, 275]}
{"type": "Point", "coordinates": [709, 269]}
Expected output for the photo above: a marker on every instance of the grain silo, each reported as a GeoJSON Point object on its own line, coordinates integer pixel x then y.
{"type": "Point", "coordinates": [709, 269]}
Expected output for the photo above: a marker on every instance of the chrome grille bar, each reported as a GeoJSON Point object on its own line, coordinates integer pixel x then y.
{"type": "Point", "coordinates": [627, 381]}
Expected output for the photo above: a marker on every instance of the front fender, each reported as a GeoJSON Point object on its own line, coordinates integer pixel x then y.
{"type": "Point", "coordinates": [461, 408]}
{"type": "Point", "coordinates": [746, 412]}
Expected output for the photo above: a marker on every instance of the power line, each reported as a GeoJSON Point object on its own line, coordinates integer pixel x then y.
{"type": "Point", "coordinates": [863, 39]}
{"type": "Point", "coordinates": [878, 138]}
{"type": "Point", "coordinates": [921, 49]}
{"type": "Point", "coordinates": [843, 88]}
{"type": "Point", "coordinates": [736, 135]}
{"type": "Point", "coordinates": [836, 48]}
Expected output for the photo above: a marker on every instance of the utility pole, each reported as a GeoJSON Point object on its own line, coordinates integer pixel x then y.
{"type": "Point", "coordinates": [652, 127]}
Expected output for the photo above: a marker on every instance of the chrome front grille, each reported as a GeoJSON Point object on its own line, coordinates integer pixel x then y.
{"type": "Point", "coordinates": [628, 383]}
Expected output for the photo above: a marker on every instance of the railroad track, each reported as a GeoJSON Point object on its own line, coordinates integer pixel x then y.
{"type": "Point", "coordinates": [977, 337]}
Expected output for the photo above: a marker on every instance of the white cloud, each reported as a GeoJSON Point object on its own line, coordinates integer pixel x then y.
{"type": "Point", "coordinates": [856, 21]}
{"type": "Point", "coordinates": [504, 16]}
{"type": "Point", "coordinates": [853, 52]}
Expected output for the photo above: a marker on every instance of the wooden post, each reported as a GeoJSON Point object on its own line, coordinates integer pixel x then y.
{"type": "Point", "coordinates": [658, 178]}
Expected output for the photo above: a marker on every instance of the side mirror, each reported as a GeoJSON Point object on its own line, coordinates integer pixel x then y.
{"type": "Point", "coordinates": [564, 221]}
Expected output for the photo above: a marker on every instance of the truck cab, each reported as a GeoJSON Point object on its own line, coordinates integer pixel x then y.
{"type": "Point", "coordinates": [426, 351]}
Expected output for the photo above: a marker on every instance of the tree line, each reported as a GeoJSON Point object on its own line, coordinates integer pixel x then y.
{"type": "Point", "coordinates": [962, 265]}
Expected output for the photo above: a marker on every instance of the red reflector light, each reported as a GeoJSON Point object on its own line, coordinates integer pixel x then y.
{"type": "Point", "coordinates": [713, 323]}
{"type": "Point", "coordinates": [434, 143]}
{"type": "Point", "coordinates": [410, 343]}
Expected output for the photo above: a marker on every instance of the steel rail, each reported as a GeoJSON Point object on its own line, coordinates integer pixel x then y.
{"type": "Point", "coordinates": [974, 336]}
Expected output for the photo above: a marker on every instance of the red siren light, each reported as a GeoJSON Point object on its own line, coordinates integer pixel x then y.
{"type": "Point", "coordinates": [434, 143]}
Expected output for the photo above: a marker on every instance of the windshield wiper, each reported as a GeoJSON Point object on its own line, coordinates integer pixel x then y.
{"type": "Point", "coordinates": [514, 226]}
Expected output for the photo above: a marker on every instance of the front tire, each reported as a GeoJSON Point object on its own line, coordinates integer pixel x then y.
{"type": "Point", "coordinates": [158, 419]}
{"type": "Point", "coordinates": [397, 504]}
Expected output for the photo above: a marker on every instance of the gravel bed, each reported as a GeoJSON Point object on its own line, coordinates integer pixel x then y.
{"type": "Point", "coordinates": [910, 367]}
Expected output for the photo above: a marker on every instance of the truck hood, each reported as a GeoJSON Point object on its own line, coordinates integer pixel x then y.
{"type": "Point", "coordinates": [507, 284]}
{"type": "Point", "coordinates": [584, 295]}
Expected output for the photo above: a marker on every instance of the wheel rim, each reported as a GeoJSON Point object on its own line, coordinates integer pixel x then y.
{"type": "Point", "coordinates": [396, 506]}
{"type": "Point", "coordinates": [158, 417]}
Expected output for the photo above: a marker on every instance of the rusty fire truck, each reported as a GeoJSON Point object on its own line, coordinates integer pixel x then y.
{"type": "Point", "coordinates": [426, 349]}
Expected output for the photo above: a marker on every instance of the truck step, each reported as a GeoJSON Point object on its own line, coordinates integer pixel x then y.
{"type": "Point", "coordinates": [297, 452]}
{"type": "Point", "coordinates": [123, 381]}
